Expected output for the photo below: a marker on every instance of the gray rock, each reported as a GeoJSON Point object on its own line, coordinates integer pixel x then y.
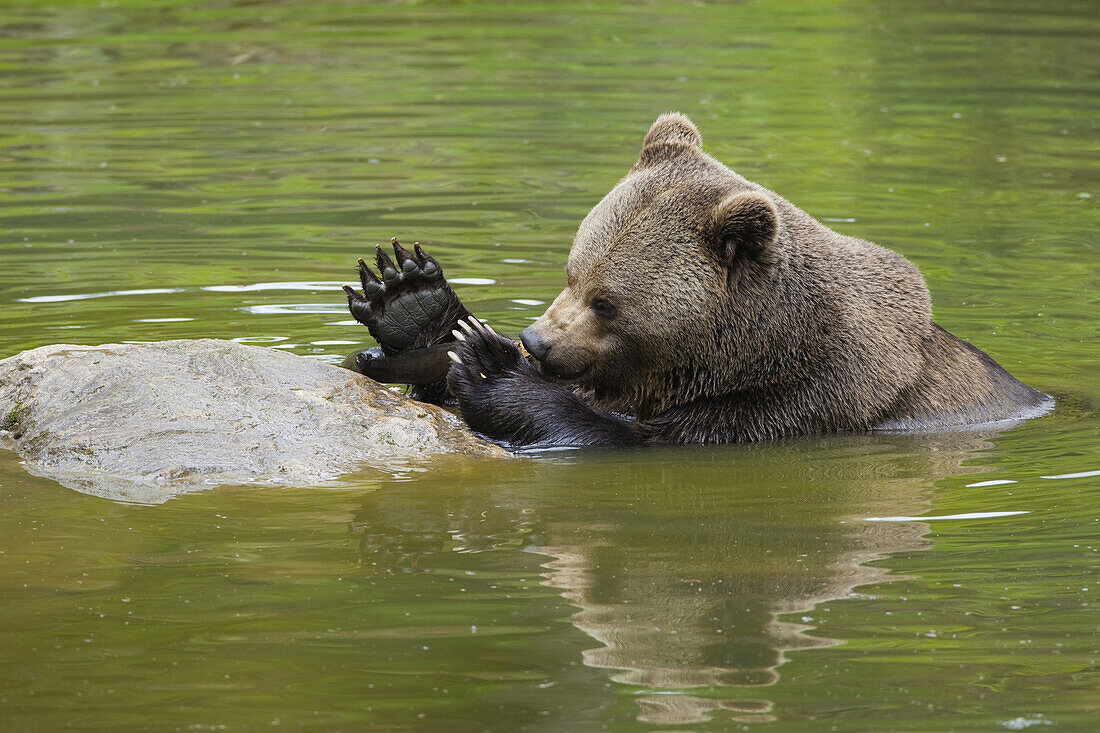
{"type": "Point", "coordinates": [143, 422]}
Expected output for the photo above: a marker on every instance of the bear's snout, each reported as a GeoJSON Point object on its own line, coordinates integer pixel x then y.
{"type": "Point", "coordinates": [533, 343]}
{"type": "Point", "coordinates": [561, 339]}
{"type": "Point", "coordinates": [563, 362]}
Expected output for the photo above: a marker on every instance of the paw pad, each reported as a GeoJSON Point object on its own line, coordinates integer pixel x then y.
{"type": "Point", "coordinates": [402, 299]}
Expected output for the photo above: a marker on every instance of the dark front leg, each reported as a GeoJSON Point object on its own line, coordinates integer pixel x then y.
{"type": "Point", "coordinates": [418, 367]}
{"type": "Point", "coordinates": [502, 396]}
{"type": "Point", "coordinates": [408, 306]}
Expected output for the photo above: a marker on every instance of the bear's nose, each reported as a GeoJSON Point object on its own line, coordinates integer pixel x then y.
{"type": "Point", "coordinates": [534, 345]}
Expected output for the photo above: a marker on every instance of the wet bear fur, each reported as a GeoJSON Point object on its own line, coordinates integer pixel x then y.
{"type": "Point", "coordinates": [703, 308]}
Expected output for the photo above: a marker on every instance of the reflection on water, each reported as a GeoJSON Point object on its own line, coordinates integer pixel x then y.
{"type": "Point", "coordinates": [567, 590]}
{"type": "Point", "coordinates": [86, 296]}
{"type": "Point", "coordinates": [686, 565]}
{"type": "Point", "coordinates": [471, 280]}
{"type": "Point", "coordinates": [1077, 474]}
{"type": "Point", "coordinates": [259, 339]}
{"type": "Point", "coordinates": [333, 306]}
{"type": "Point", "coordinates": [178, 170]}
{"type": "Point", "coordinates": [965, 515]}
{"type": "Point", "coordinates": [272, 286]}
{"type": "Point", "coordinates": [285, 308]}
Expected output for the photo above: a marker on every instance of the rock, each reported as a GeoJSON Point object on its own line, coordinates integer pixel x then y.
{"type": "Point", "coordinates": [143, 422]}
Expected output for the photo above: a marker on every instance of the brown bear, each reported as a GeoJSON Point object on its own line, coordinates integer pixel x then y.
{"type": "Point", "coordinates": [701, 308]}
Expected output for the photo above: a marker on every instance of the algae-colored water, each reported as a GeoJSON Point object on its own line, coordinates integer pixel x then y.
{"type": "Point", "coordinates": [179, 170]}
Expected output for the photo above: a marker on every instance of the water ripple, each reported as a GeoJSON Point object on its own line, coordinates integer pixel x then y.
{"type": "Point", "coordinates": [106, 294]}
{"type": "Point", "coordinates": [331, 285]}
{"type": "Point", "coordinates": [969, 515]}
{"type": "Point", "coordinates": [1082, 474]}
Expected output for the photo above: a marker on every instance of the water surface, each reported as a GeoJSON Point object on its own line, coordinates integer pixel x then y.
{"type": "Point", "coordinates": [183, 170]}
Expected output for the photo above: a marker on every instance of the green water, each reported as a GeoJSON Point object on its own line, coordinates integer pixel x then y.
{"type": "Point", "coordinates": [229, 160]}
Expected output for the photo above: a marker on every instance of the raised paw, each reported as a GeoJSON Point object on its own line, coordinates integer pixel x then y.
{"type": "Point", "coordinates": [408, 303]}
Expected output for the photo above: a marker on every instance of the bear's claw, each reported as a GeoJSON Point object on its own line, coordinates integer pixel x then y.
{"type": "Point", "coordinates": [484, 351]}
{"type": "Point", "coordinates": [489, 378]}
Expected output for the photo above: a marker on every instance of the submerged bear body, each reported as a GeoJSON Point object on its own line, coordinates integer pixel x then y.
{"type": "Point", "coordinates": [701, 307]}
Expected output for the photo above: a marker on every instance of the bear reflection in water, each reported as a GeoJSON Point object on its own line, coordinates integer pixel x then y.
{"type": "Point", "coordinates": [681, 563]}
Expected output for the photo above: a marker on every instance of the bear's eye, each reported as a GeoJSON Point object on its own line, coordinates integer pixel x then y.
{"type": "Point", "coordinates": [604, 308]}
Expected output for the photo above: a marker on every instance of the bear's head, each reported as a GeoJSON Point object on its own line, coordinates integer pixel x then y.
{"type": "Point", "coordinates": [655, 274]}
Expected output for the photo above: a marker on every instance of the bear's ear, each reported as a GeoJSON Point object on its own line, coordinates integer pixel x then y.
{"type": "Point", "coordinates": [746, 225]}
{"type": "Point", "coordinates": [673, 128]}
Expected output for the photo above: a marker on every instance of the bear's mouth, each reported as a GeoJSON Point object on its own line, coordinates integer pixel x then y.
{"type": "Point", "coordinates": [559, 375]}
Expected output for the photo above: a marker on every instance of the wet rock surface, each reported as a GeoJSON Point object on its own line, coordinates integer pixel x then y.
{"type": "Point", "coordinates": [143, 422]}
